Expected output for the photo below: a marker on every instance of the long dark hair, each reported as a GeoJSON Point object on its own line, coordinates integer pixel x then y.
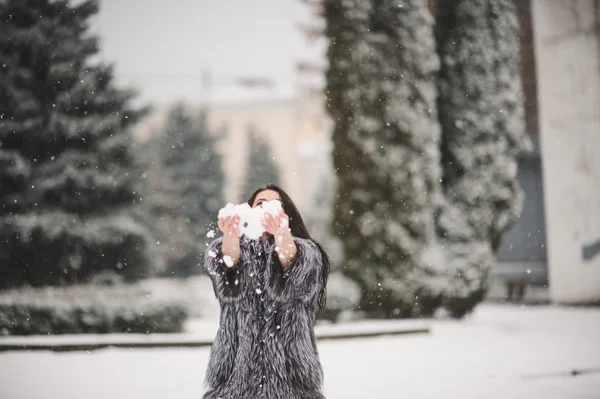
{"type": "Point", "coordinates": [299, 230]}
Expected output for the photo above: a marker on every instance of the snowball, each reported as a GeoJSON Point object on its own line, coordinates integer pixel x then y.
{"type": "Point", "coordinates": [251, 219]}
{"type": "Point", "coordinates": [226, 211]}
{"type": "Point", "coordinates": [234, 210]}
{"type": "Point", "coordinates": [272, 207]}
{"type": "Point", "coordinates": [252, 225]}
{"type": "Point", "coordinates": [210, 234]}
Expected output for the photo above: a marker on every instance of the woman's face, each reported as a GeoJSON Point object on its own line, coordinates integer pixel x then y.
{"type": "Point", "coordinates": [264, 196]}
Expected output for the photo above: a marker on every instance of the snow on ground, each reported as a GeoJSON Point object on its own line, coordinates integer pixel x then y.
{"type": "Point", "coordinates": [499, 352]}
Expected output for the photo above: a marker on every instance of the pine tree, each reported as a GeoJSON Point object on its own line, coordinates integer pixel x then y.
{"type": "Point", "coordinates": [381, 97]}
{"type": "Point", "coordinates": [190, 183]}
{"type": "Point", "coordinates": [173, 247]}
{"type": "Point", "coordinates": [67, 187]}
{"type": "Point", "coordinates": [481, 113]}
{"type": "Point", "coordinates": [262, 169]}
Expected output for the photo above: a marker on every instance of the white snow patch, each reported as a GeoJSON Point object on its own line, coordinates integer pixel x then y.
{"type": "Point", "coordinates": [498, 352]}
{"type": "Point", "coordinates": [251, 219]}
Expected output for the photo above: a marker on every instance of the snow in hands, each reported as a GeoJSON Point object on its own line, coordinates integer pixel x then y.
{"type": "Point", "coordinates": [251, 219]}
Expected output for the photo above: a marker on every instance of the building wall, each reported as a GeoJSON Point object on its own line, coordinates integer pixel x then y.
{"type": "Point", "coordinates": [568, 71]}
{"type": "Point", "coordinates": [295, 130]}
{"type": "Point", "coordinates": [275, 121]}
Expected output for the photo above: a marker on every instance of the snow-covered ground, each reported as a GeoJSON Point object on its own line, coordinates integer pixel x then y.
{"type": "Point", "coordinates": [498, 352]}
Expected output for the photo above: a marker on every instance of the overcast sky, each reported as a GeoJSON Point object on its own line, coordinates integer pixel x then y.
{"type": "Point", "coordinates": [162, 47]}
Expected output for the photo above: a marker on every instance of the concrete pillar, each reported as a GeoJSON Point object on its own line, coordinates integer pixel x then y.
{"type": "Point", "coordinates": [568, 71]}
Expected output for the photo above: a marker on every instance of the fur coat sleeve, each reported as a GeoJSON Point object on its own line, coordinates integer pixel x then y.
{"type": "Point", "coordinates": [225, 279]}
{"type": "Point", "coordinates": [301, 278]}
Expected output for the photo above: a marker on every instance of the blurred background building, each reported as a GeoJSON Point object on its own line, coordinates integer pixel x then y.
{"type": "Point", "coordinates": [566, 42]}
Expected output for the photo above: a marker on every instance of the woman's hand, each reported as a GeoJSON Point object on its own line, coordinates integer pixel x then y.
{"type": "Point", "coordinates": [276, 225]}
{"type": "Point", "coordinates": [284, 243]}
{"type": "Point", "coordinates": [230, 226]}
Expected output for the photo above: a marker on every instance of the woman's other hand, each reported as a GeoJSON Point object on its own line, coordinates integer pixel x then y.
{"type": "Point", "coordinates": [278, 224]}
{"type": "Point", "coordinates": [285, 247]}
{"type": "Point", "coordinates": [230, 226]}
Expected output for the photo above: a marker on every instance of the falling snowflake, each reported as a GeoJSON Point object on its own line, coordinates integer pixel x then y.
{"type": "Point", "coordinates": [228, 260]}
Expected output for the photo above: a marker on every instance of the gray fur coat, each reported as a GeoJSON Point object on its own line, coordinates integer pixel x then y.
{"type": "Point", "coordinates": [265, 346]}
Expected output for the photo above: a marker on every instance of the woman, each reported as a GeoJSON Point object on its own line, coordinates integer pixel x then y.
{"type": "Point", "coordinates": [266, 346]}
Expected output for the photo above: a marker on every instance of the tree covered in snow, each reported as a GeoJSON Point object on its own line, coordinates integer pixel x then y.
{"type": "Point", "coordinates": [382, 98]}
{"type": "Point", "coordinates": [481, 114]}
{"type": "Point", "coordinates": [186, 189]}
{"type": "Point", "coordinates": [262, 168]}
{"type": "Point", "coordinates": [173, 247]}
{"type": "Point", "coordinates": [318, 218]}
{"type": "Point", "coordinates": [68, 194]}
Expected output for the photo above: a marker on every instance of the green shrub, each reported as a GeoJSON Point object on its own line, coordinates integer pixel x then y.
{"type": "Point", "coordinates": [58, 249]}
{"type": "Point", "coordinates": [88, 309]}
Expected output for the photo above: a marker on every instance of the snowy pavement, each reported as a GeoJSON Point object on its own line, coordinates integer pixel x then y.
{"type": "Point", "coordinates": [199, 332]}
{"type": "Point", "coordinates": [499, 352]}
